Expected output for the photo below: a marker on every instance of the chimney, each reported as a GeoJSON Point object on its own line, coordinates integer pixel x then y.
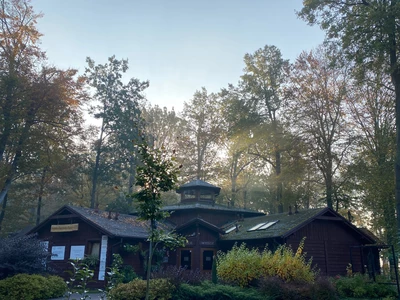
{"type": "Point", "coordinates": [96, 209]}
{"type": "Point", "coordinates": [116, 216]}
{"type": "Point", "coordinates": [290, 210]}
{"type": "Point", "coordinates": [237, 227]}
{"type": "Point", "coordinates": [109, 215]}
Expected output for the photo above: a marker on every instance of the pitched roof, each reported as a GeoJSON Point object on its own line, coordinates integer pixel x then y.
{"type": "Point", "coordinates": [216, 207]}
{"type": "Point", "coordinates": [286, 225]}
{"type": "Point", "coordinates": [125, 226]}
{"type": "Point", "coordinates": [199, 221]}
{"type": "Point", "coordinates": [198, 184]}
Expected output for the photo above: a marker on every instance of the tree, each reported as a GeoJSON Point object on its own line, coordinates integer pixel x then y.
{"type": "Point", "coordinates": [117, 108]}
{"type": "Point", "coordinates": [372, 110]}
{"type": "Point", "coordinates": [264, 78]}
{"type": "Point", "coordinates": [163, 127]}
{"type": "Point", "coordinates": [237, 162]}
{"type": "Point", "coordinates": [22, 254]}
{"type": "Point", "coordinates": [369, 32]}
{"type": "Point", "coordinates": [204, 125]}
{"type": "Point", "coordinates": [45, 118]}
{"type": "Point", "coordinates": [18, 51]}
{"type": "Point", "coordinates": [319, 90]}
{"type": "Point", "coordinates": [157, 174]}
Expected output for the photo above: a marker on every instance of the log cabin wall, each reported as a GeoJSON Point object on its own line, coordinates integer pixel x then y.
{"type": "Point", "coordinates": [86, 235]}
{"type": "Point", "coordinates": [328, 243]}
{"type": "Point", "coordinates": [200, 249]}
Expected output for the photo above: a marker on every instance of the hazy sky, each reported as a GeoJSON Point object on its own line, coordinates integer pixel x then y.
{"type": "Point", "coordinates": [179, 45]}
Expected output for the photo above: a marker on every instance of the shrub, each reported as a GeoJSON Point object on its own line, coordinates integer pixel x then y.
{"type": "Point", "coordinates": [323, 289]}
{"type": "Point", "coordinates": [160, 289]}
{"type": "Point", "coordinates": [242, 266]}
{"type": "Point", "coordinates": [239, 266]}
{"type": "Point", "coordinates": [23, 254]}
{"type": "Point", "coordinates": [360, 286]}
{"type": "Point", "coordinates": [287, 265]}
{"type": "Point", "coordinates": [57, 286]}
{"type": "Point", "coordinates": [208, 290]}
{"type": "Point", "coordinates": [128, 273]}
{"type": "Point", "coordinates": [31, 287]}
{"type": "Point", "coordinates": [178, 275]}
{"type": "Point", "coordinates": [275, 288]}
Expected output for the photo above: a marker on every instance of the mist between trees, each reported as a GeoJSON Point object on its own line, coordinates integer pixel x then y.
{"type": "Point", "coordinates": [317, 131]}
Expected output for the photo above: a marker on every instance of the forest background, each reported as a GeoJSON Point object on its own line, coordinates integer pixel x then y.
{"type": "Point", "coordinates": [316, 131]}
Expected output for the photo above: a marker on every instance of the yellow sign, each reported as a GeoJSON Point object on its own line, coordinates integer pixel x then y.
{"type": "Point", "coordinates": [64, 228]}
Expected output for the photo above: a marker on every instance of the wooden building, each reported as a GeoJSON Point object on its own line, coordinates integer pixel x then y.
{"type": "Point", "coordinates": [73, 232]}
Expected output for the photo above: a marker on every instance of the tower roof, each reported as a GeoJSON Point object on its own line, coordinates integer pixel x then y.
{"type": "Point", "coordinates": [198, 185]}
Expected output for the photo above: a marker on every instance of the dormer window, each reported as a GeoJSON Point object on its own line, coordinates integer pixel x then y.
{"type": "Point", "coordinates": [206, 195]}
{"type": "Point", "coordinates": [190, 194]}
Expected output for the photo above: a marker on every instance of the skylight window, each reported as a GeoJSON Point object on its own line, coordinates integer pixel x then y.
{"type": "Point", "coordinates": [268, 225]}
{"type": "Point", "coordinates": [231, 229]}
{"type": "Point", "coordinates": [256, 227]}
{"type": "Point", "coordinates": [263, 226]}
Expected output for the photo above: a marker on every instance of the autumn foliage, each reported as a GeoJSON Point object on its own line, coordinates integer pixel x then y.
{"type": "Point", "coordinates": [243, 266]}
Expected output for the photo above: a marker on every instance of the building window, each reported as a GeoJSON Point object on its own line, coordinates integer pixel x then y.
{"type": "Point", "coordinates": [190, 194]}
{"type": "Point", "coordinates": [94, 249]}
{"type": "Point", "coordinates": [207, 257]}
{"type": "Point", "coordinates": [186, 259]}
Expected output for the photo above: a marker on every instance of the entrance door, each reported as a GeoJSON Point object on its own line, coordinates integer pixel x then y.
{"type": "Point", "coordinates": [186, 259]}
{"type": "Point", "coordinates": [207, 258]}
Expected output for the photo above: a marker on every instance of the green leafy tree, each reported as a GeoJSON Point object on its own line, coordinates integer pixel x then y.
{"type": "Point", "coordinates": [118, 109]}
{"type": "Point", "coordinates": [205, 129]}
{"type": "Point", "coordinates": [157, 174]}
{"type": "Point", "coordinates": [319, 92]}
{"type": "Point", "coordinates": [264, 78]}
{"type": "Point", "coordinates": [369, 32]}
{"type": "Point", "coordinates": [372, 109]}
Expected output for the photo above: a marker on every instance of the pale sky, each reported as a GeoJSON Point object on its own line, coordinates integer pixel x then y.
{"type": "Point", "coordinates": [178, 45]}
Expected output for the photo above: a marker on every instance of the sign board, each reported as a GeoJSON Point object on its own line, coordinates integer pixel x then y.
{"type": "Point", "coordinates": [77, 252]}
{"type": "Point", "coordinates": [103, 257]}
{"type": "Point", "coordinates": [57, 252]}
{"type": "Point", "coordinates": [64, 227]}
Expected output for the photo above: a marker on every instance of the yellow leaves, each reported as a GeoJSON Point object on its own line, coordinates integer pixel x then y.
{"type": "Point", "coordinates": [241, 265]}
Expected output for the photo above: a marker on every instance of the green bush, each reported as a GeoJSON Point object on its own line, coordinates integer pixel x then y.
{"type": "Point", "coordinates": [128, 273]}
{"type": "Point", "coordinates": [178, 275]}
{"type": "Point", "coordinates": [22, 254]}
{"type": "Point", "coordinates": [243, 267]}
{"type": "Point", "coordinates": [360, 286]}
{"type": "Point", "coordinates": [56, 285]}
{"type": "Point", "coordinates": [287, 265]}
{"type": "Point", "coordinates": [239, 266]}
{"type": "Point", "coordinates": [275, 288]}
{"type": "Point", "coordinates": [31, 287]}
{"type": "Point", "coordinates": [160, 289]}
{"type": "Point", "coordinates": [207, 290]}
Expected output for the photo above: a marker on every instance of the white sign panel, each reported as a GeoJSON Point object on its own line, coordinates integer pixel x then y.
{"type": "Point", "coordinates": [103, 257]}
{"type": "Point", "coordinates": [57, 252]}
{"type": "Point", "coordinates": [77, 252]}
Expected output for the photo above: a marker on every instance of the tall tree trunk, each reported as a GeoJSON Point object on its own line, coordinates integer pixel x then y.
{"type": "Point", "coordinates": [396, 81]}
{"type": "Point", "coordinates": [150, 259]}
{"type": "Point", "coordinates": [41, 189]}
{"type": "Point", "coordinates": [3, 210]}
{"type": "Point", "coordinates": [132, 174]}
{"type": "Point", "coordinates": [279, 184]}
{"type": "Point", "coordinates": [329, 189]}
{"type": "Point", "coordinates": [395, 76]}
{"type": "Point", "coordinates": [96, 168]}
